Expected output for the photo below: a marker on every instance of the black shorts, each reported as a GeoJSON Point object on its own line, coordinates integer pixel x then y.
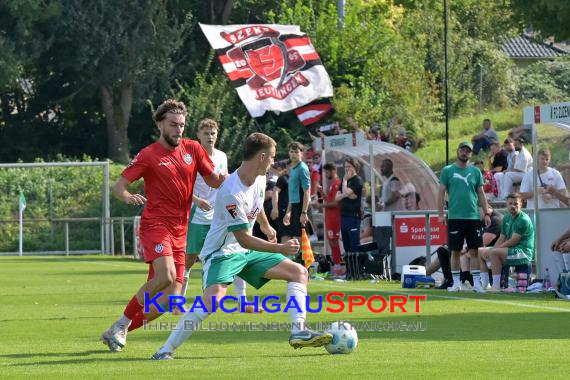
{"type": "Point", "coordinates": [295, 221]}
{"type": "Point", "coordinates": [280, 228]}
{"type": "Point", "coordinates": [461, 230]}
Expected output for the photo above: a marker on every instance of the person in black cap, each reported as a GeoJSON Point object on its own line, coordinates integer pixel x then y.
{"type": "Point", "coordinates": [463, 184]}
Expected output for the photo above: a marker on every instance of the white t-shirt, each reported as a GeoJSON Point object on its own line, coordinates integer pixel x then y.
{"type": "Point", "coordinates": [236, 207]}
{"type": "Point", "coordinates": [523, 161]}
{"type": "Point", "coordinates": [551, 177]}
{"type": "Point", "coordinates": [202, 190]}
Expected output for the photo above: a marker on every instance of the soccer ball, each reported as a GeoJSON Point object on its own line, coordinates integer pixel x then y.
{"type": "Point", "coordinates": [345, 338]}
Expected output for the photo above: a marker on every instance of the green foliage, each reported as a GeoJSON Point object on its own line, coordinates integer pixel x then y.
{"type": "Point", "coordinates": [544, 82]}
{"type": "Point", "coordinates": [548, 17]}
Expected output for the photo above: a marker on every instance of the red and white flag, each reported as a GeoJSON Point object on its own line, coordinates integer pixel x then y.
{"type": "Point", "coordinates": [272, 67]}
{"type": "Point", "coordinates": [314, 111]}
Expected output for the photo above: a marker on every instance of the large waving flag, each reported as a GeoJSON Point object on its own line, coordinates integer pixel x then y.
{"type": "Point", "coordinates": [272, 67]}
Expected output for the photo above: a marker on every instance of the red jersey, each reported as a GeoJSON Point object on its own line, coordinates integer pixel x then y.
{"type": "Point", "coordinates": [315, 180]}
{"type": "Point", "coordinates": [169, 177]}
{"type": "Point", "coordinates": [334, 187]}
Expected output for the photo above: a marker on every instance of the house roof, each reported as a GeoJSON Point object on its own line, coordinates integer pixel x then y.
{"type": "Point", "coordinates": [524, 47]}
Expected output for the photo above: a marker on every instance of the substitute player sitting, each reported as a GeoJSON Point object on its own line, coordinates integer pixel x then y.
{"type": "Point", "coordinates": [231, 250]}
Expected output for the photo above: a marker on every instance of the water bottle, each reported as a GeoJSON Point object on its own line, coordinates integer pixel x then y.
{"type": "Point", "coordinates": [522, 282]}
{"type": "Point", "coordinates": [546, 284]}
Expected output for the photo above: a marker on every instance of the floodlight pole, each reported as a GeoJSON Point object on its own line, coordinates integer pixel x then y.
{"type": "Point", "coordinates": [446, 79]}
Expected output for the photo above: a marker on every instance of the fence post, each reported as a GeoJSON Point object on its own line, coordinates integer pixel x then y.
{"type": "Point", "coordinates": [66, 238]}
{"type": "Point", "coordinates": [112, 236]}
{"type": "Point", "coordinates": [103, 236]}
{"type": "Point", "coordinates": [122, 236]}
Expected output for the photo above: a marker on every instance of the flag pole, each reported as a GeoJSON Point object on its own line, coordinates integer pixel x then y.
{"type": "Point", "coordinates": [21, 246]}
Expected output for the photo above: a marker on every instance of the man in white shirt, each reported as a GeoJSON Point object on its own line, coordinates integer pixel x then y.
{"type": "Point", "coordinates": [522, 162]}
{"type": "Point", "coordinates": [550, 185]}
{"type": "Point", "coordinates": [230, 250]}
{"type": "Point", "coordinates": [203, 201]}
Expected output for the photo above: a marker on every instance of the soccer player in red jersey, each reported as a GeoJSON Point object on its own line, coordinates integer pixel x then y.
{"type": "Point", "coordinates": [169, 168]}
{"type": "Point", "coordinates": [332, 210]}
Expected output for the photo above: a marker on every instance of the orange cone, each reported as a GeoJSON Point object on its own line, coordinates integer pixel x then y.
{"type": "Point", "coordinates": [306, 249]}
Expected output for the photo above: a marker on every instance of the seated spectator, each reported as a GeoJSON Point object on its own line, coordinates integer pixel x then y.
{"type": "Point", "coordinates": [366, 229]}
{"type": "Point", "coordinates": [524, 131]}
{"type": "Point", "coordinates": [522, 162]}
{"type": "Point", "coordinates": [490, 237]}
{"type": "Point", "coordinates": [551, 186]}
{"type": "Point", "coordinates": [498, 158]}
{"type": "Point", "coordinates": [509, 148]}
{"type": "Point", "coordinates": [376, 134]}
{"type": "Point", "coordinates": [515, 245]}
{"type": "Point", "coordinates": [562, 245]}
{"type": "Point", "coordinates": [402, 139]}
{"type": "Point", "coordinates": [489, 184]}
{"type": "Point", "coordinates": [483, 140]}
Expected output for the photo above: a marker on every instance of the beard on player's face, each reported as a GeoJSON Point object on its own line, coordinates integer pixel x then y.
{"type": "Point", "coordinates": [173, 141]}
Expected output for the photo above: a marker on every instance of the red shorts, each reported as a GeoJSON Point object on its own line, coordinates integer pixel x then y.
{"type": "Point", "coordinates": [179, 272]}
{"type": "Point", "coordinates": [333, 228]}
{"type": "Point", "coordinates": [160, 240]}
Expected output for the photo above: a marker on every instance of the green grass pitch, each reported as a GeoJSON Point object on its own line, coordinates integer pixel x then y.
{"type": "Point", "coordinates": [54, 309]}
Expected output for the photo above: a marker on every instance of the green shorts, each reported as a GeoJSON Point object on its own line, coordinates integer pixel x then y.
{"type": "Point", "coordinates": [196, 237]}
{"type": "Point", "coordinates": [250, 266]}
{"type": "Point", "coordinates": [517, 256]}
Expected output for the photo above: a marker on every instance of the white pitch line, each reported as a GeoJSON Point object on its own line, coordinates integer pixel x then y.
{"type": "Point", "coordinates": [526, 305]}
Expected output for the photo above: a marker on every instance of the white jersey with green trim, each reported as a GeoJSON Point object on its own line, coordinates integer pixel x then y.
{"type": "Point", "coordinates": [202, 190]}
{"type": "Point", "coordinates": [236, 207]}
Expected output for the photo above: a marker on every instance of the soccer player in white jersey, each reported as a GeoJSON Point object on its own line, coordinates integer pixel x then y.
{"type": "Point", "coordinates": [230, 249]}
{"type": "Point", "coordinates": [203, 201]}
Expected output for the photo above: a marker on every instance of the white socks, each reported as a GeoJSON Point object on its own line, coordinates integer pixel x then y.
{"type": "Point", "coordinates": [184, 329]}
{"type": "Point", "coordinates": [299, 291]}
{"type": "Point", "coordinates": [484, 279]}
{"type": "Point", "coordinates": [186, 279]}
{"type": "Point", "coordinates": [240, 286]}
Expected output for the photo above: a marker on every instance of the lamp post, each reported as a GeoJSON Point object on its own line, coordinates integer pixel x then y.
{"type": "Point", "coordinates": [446, 82]}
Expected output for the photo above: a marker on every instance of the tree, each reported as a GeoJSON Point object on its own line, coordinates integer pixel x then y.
{"type": "Point", "coordinates": [548, 17]}
{"type": "Point", "coordinates": [123, 51]}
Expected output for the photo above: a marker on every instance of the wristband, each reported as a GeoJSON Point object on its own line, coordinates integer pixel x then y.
{"type": "Point", "coordinates": [303, 212]}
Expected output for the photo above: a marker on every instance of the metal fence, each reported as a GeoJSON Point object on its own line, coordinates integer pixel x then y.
{"type": "Point", "coordinates": [112, 239]}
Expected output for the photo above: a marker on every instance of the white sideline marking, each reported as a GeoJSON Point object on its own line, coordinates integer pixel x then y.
{"type": "Point", "coordinates": [510, 303]}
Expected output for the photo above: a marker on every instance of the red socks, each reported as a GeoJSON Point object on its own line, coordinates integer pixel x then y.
{"type": "Point", "coordinates": [133, 308]}
{"type": "Point", "coordinates": [137, 321]}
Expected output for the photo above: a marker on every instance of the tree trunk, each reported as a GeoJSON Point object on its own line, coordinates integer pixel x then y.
{"type": "Point", "coordinates": [117, 103]}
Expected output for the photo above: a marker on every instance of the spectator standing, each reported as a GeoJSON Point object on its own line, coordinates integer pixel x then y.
{"type": "Point", "coordinates": [280, 202]}
{"type": "Point", "coordinates": [463, 184]}
{"type": "Point", "coordinates": [390, 199]}
{"type": "Point", "coordinates": [350, 199]}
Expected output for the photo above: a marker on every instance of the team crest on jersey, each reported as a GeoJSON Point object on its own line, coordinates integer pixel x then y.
{"type": "Point", "coordinates": [274, 67]}
{"type": "Point", "coordinates": [187, 158]}
{"type": "Point", "coordinates": [232, 209]}
{"type": "Point", "coordinates": [159, 248]}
